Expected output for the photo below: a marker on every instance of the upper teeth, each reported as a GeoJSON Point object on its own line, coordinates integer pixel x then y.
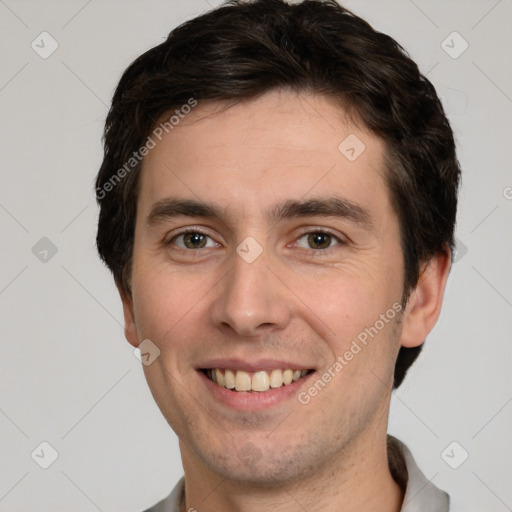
{"type": "Point", "coordinates": [257, 381]}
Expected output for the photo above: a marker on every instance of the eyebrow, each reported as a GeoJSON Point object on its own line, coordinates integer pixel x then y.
{"type": "Point", "coordinates": [316, 207]}
{"type": "Point", "coordinates": [324, 207]}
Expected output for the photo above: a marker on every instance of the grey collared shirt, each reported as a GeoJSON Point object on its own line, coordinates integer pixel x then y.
{"type": "Point", "coordinates": [421, 495]}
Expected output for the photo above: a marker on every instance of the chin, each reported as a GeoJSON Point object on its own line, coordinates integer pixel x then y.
{"type": "Point", "coordinates": [261, 464]}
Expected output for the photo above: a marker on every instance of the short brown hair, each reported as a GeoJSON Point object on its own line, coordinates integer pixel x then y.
{"type": "Point", "coordinates": [245, 48]}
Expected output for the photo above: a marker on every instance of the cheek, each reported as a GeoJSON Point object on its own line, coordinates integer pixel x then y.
{"type": "Point", "coordinates": [165, 302]}
{"type": "Point", "coordinates": [347, 300]}
{"type": "Point", "coordinates": [359, 325]}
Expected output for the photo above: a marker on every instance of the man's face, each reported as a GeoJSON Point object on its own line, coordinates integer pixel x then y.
{"type": "Point", "coordinates": [280, 280]}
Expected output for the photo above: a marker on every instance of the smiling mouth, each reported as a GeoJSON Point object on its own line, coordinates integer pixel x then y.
{"type": "Point", "coordinates": [260, 381]}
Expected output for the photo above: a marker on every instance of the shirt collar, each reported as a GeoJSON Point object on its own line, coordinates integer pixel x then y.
{"type": "Point", "coordinates": [421, 495]}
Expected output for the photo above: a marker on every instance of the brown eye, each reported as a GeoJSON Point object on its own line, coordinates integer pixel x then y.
{"type": "Point", "coordinates": [317, 240]}
{"type": "Point", "coordinates": [193, 240]}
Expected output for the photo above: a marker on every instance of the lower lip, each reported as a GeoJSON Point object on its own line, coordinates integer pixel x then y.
{"type": "Point", "coordinates": [253, 400]}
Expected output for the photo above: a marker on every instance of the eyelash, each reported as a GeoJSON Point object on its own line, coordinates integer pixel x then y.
{"type": "Point", "coordinates": [321, 231]}
{"type": "Point", "coordinates": [309, 231]}
{"type": "Point", "coordinates": [186, 232]}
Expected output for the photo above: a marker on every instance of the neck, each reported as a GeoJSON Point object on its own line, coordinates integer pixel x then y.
{"type": "Point", "coordinates": [357, 479]}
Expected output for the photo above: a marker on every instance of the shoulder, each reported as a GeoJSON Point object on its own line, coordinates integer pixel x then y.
{"type": "Point", "coordinates": [172, 502]}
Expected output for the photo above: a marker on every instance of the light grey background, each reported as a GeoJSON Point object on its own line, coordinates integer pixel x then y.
{"type": "Point", "coordinates": [68, 377]}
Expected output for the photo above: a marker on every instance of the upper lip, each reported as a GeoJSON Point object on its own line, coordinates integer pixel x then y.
{"type": "Point", "coordinates": [252, 365]}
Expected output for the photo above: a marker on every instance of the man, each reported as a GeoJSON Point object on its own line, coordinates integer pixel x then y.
{"type": "Point", "coordinates": [278, 199]}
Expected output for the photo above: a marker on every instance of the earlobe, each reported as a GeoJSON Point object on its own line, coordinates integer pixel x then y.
{"type": "Point", "coordinates": [425, 301]}
{"type": "Point", "coordinates": [130, 329]}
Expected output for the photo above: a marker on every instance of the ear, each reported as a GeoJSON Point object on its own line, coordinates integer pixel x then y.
{"type": "Point", "coordinates": [425, 301]}
{"type": "Point", "coordinates": [130, 329]}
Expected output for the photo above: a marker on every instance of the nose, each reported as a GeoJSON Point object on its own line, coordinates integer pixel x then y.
{"type": "Point", "coordinates": [251, 300]}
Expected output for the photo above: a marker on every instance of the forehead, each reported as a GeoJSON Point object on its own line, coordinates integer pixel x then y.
{"type": "Point", "coordinates": [279, 146]}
